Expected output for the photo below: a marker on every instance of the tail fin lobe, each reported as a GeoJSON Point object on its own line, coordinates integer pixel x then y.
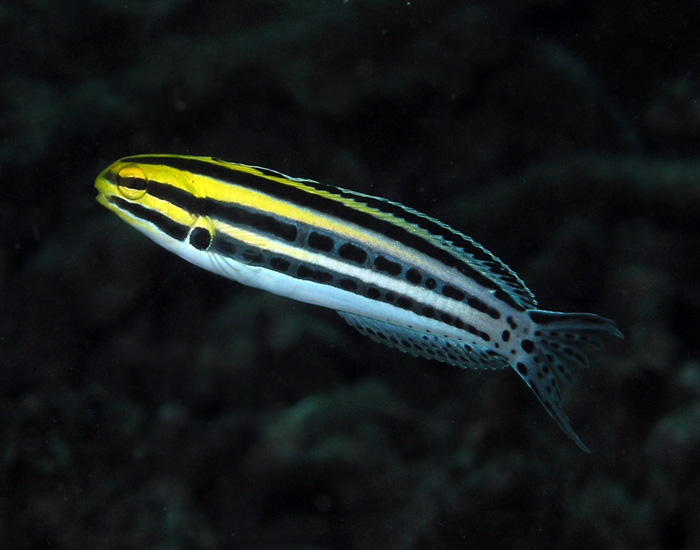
{"type": "Point", "coordinates": [557, 340]}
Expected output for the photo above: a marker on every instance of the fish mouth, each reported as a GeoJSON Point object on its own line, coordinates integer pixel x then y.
{"type": "Point", "coordinates": [104, 200]}
{"type": "Point", "coordinates": [104, 185]}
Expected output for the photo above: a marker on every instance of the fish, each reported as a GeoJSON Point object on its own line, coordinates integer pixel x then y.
{"type": "Point", "coordinates": [398, 276]}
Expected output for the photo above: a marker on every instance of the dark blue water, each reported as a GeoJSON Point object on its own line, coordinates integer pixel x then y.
{"type": "Point", "coordinates": [147, 404]}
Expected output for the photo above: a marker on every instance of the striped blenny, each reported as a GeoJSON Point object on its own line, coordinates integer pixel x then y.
{"type": "Point", "coordinates": [398, 276]}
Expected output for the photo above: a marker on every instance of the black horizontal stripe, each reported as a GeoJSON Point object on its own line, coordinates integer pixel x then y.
{"type": "Point", "coordinates": [161, 221]}
{"type": "Point", "coordinates": [245, 253]}
{"type": "Point", "coordinates": [226, 246]}
{"type": "Point", "coordinates": [347, 213]}
{"type": "Point", "coordinates": [179, 197]}
{"type": "Point", "coordinates": [453, 293]}
{"type": "Point", "coordinates": [265, 223]}
{"type": "Point", "coordinates": [484, 308]}
{"type": "Point", "coordinates": [230, 213]}
{"type": "Point", "coordinates": [436, 228]}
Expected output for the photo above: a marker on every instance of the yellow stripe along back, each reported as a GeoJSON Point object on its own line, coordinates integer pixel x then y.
{"type": "Point", "coordinates": [398, 276]}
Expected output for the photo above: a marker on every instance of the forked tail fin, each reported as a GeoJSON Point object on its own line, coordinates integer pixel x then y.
{"type": "Point", "coordinates": [554, 347]}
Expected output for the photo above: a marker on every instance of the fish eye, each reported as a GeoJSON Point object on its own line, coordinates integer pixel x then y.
{"type": "Point", "coordinates": [131, 182]}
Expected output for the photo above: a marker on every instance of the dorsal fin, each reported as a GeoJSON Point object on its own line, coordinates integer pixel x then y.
{"type": "Point", "coordinates": [460, 246]}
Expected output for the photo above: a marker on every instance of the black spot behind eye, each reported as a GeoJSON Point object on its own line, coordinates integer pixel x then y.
{"type": "Point", "coordinates": [200, 238]}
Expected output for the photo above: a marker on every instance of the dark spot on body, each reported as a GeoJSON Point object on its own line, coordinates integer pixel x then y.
{"type": "Point", "coordinates": [428, 312]}
{"type": "Point", "coordinates": [404, 303]}
{"type": "Point", "coordinates": [373, 293]}
{"type": "Point", "coordinates": [252, 256]}
{"type": "Point", "coordinates": [320, 242]}
{"type": "Point", "coordinates": [453, 293]}
{"type": "Point", "coordinates": [223, 244]}
{"type": "Point", "coordinates": [505, 335]}
{"type": "Point", "coordinates": [472, 329]}
{"type": "Point", "coordinates": [483, 308]}
{"type": "Point", "coordinates": [528, 346]}
{"type": "Point", "coordinates": [522, 369]}
{"type": "Point", "coordinates": [413, 276]}
{"type": "Point", "coordinates": [348, 284]}
{"type": "Point", "coordinates": [447, 318]}
{"type": "Point", "coordinates": [387, 266]}
{"type": "Point", "coordinates": [279, 264]}
{"type": "Point", "coordinates": [314, 274]}
{"type": "Point", "coordinates": [353, 253]}
{"type": "Point", "coordinates": [430, 283]}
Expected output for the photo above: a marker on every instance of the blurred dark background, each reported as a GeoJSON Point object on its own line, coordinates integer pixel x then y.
{"type": "Point", "coordinates": [145, 403]}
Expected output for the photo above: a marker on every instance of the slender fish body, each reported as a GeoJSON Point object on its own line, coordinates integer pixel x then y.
{"type": "Point", "coordinates": [396, 275]}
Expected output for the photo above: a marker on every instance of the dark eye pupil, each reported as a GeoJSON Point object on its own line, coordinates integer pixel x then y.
{"type": "Point", "coordinates": [132, 183]}
{"type": "Point", "coordinates": [200, 238]}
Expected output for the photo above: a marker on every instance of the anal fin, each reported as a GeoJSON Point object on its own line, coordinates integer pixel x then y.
{"type": "Point", "coordinates": [428, 345]}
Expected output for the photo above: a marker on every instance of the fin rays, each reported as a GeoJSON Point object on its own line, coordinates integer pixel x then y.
{"type": "Point", "coordinates": [430, 346]}
{"type": "Point", "coordinates": [557, 340]}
